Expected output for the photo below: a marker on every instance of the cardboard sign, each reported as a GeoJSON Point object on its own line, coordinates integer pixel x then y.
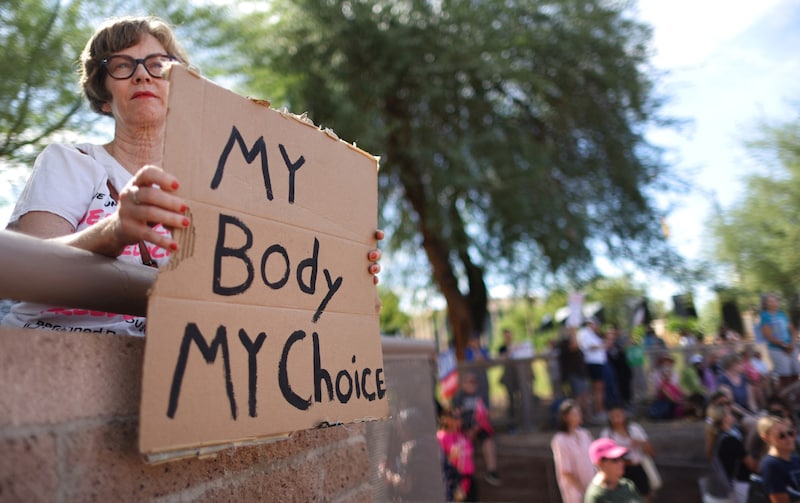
{"type": "Point", "coordinates": [266, 319]}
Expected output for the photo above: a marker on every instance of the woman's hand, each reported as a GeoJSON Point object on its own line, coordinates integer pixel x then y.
{"type": "Point", "coordinates": [373, 256]}
{"type": "Point", "coordinates": [146, 200]}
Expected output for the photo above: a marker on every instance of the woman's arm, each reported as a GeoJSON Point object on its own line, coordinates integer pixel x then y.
{"type": "Point", "coordinates": [146, 200]}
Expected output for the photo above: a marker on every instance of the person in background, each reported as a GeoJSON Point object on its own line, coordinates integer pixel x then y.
{"type": "Point", "coordinates": [573, 370]}
{"type": "Point", "coordinates": [775, 407]}
{"type": "Point", "coordinates": [780, 468]}
{"type": "Point", "coordinates": [113, 199]}
{"type": "Point", "coordinates": [668, 402]}
{"type": "Point", "coordinates": [570, 445]}
{"type": "Point", "coordinates": [476, 425]}
{"type": "Point", "coordinates": [594, 353]}
{"type": "Point", "coordinates": [477, 352]}
{"type": "Point", "coordinates": [609, 484]}
{"type": "Point", "coordinates": [651, 340]}
{"type": "Point", "coordinates": [632, 437]}
{"type": "Point", "coordinates": [758, 382]}
{"type": "Point", "coordinates": [457, 457]}
{"type": "Point", "coordinates": [729, 460]}
{"type": "Point", "coordinates": [780, 334]}
{"type": "Point", "coordinates": [617, 343]}
{"type": "Point", "coordinates": [510, 377]}
{"type": "Point", "coordinates": [691, 383]}
{"type": "Point", "coordinates": [733, 378]}
{"type": "Point", "coordinates": [635, 356]}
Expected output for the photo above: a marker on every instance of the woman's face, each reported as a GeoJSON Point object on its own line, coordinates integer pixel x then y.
{"type": "Point", "coordinates": [617, 418]}
{"type": "Point", "coordinates": [141, 100]}
{"type": "Point", "coordinates": [728, 420]}
{"type": "Point", "coordinates": [781, 436]}
{"type": "Point", "coordinates": [574, 418]}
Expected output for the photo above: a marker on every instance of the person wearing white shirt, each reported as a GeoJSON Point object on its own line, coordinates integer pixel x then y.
{"type": "Point", "coordinates": [594, 354]}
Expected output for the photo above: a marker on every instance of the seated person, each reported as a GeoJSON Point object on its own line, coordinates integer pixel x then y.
{"type": "Point", "coordinates": [780, 468]}
{"type": "Point", "coordinates": [731, 464]}
{"type": "Point", "coordinates": [669, 401]}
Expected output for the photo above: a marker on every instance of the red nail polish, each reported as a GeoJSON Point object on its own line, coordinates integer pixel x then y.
{"type": "Point", "coordinates": [184, 208]}
{"type": "Point", "coordinates": [175, 185]}
{"type": "Point", "coordinates": [173, 246]}
{"type": "Point", "coordinates": [185, 222]}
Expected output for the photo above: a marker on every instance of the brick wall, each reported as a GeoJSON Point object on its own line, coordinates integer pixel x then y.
{"type": "Point", "coordinates": [68, 432]}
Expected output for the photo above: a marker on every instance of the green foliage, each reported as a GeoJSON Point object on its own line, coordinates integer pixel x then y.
{"type": "Point", "coordinates": [510, 132]}
{"type": "Point", "coordinates": [675, 324]}
{"type": "Point", "coordinates": [393, 320]}
{"type": "Point", "coordinates": [38, 92]}
{"type": "Point", "coordinates": [757, 236]}
{"type": "Point", "coordinates": [40, 99]}
{"type": "Point", "coordinates": [618, 296]}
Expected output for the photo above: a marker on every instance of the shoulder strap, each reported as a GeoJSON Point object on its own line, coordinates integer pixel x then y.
{"type": "Point", "coordinates": [143, 252]}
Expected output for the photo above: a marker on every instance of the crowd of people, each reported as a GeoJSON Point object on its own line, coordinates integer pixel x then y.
{"type": "Point", "coordinates": [748, 405]}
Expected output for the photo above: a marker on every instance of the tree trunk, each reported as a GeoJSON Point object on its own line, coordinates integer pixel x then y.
{"type": "Point", "coordinates": [466, 313]}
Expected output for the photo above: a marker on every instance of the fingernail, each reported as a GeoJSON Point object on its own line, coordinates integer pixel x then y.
{"type": "Point", "coordinates": [175, 185]}
{"type": "Point", "coordinates": [373, 255]}
{"type": "Point", "coordinates": [173, 246]}
{"type": "Point", "coordinates": [185, 222]}
{"type": "Point", "coordinates": [184, 208]}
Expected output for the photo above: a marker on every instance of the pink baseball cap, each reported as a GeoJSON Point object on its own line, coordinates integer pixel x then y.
{"type": "Point", "coordinates": [605, 448]}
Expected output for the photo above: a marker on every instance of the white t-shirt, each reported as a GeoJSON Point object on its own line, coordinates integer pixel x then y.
{"type": "Point", "coordinates": [635, 432]}
{"type": "Point", "coordinates": [73, 185]}
{"type": "Point", "coordinates": [593, 347]}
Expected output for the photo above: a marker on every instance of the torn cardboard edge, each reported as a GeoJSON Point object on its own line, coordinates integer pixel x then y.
{"type": "Point", "coordinates": [211, 451]}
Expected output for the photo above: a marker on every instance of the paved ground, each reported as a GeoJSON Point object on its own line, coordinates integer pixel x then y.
{"type": "Point", "coordinates": [526, 464]}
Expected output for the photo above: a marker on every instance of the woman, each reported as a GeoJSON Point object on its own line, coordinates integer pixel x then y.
{"type": "Point", "coordinates": [780, 468]}
{"type": "Point", "coordinates": [633, 438]}
{"type": "Point", "coordinates": [669, 400]}
{"type": "Point", "coordinates": [112, 199]}
{"type": "Point", "coordinates": [574, 470]}
{"type": "Point", "coordinates": [731, 464]}
{"type": "Point", "coordinates": [781, 335]}
{"type": "Point", "coordinates": [734, 379]}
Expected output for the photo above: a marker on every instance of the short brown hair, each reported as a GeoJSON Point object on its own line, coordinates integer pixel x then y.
{"type": "Point", "coordinates": [113, 36]}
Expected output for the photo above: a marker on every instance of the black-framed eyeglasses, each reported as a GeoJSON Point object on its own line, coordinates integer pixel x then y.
{"type": "Point", "coordinates": [122, 66]}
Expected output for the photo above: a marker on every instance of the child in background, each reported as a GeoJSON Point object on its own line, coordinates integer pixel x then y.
{"type": "Point", "coordinates": [459, 466]}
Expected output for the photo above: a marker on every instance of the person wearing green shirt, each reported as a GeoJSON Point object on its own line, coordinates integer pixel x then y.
{"type": "Point", "coordinates": [608, 484]}
{"type": "Point", "coordinates": [691, 384]}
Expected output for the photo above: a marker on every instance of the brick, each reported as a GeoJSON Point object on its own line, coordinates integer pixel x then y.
{"type": "Point", "coordinates": [345, 467]}
{"type": "Point", "coordinates": [56, 377]}
{"type": "Point", "coordinates": [28, 470]}
{"type": "Point", "coordinates": [290, 484]}
{"type": "Point", "coordinates": [103, 464]}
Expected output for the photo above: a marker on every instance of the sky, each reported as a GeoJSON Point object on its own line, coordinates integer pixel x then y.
{"type": "Point", "coordinates": [727, 64]}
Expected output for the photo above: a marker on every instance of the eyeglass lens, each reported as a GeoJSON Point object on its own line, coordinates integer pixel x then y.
{"type": "Point", "coordinates": [123, 66]}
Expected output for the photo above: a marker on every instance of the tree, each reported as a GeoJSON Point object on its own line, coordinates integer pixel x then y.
{"type": "Point", "coordinates": [40, 97]}
{"type": "Point", "coordinates": [38, 92]}
{"type": "Point", "coordinates": [510, 133]}
{"type": "Point", "coordinates": [757, 236]}
{"type": "Point", "coordinates": [392, 318]}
